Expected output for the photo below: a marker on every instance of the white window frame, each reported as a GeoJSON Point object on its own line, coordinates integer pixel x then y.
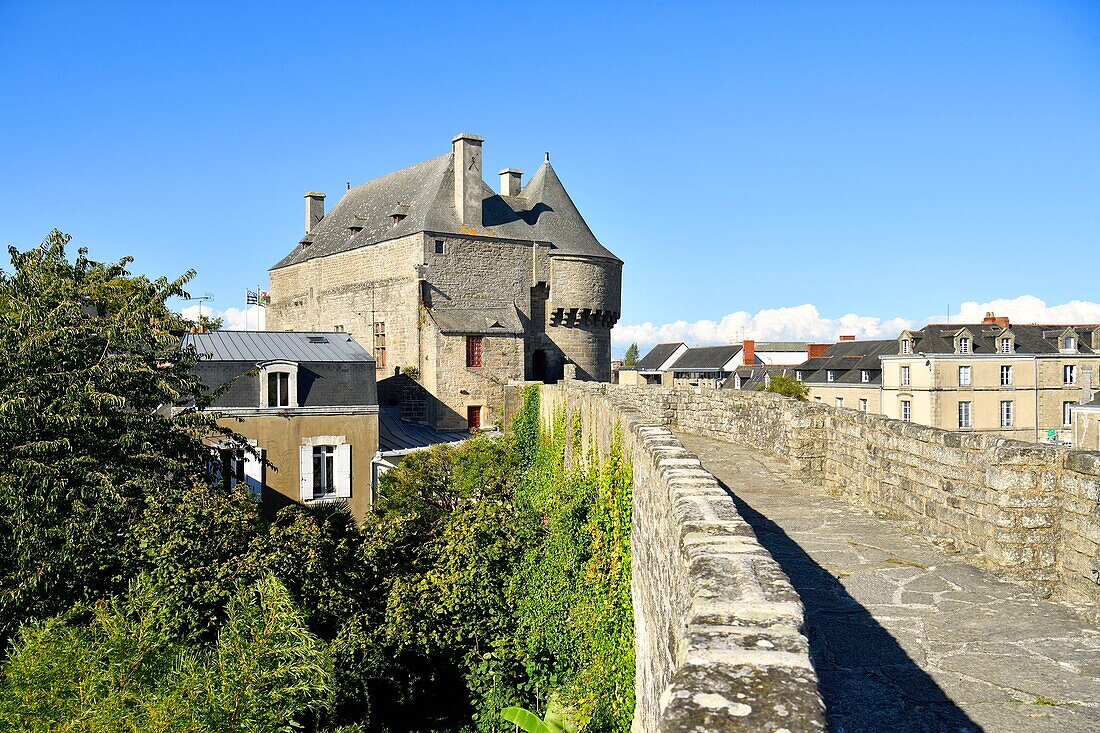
{"type": "Point", "coordinates": [906, 411]}
{"type": "Point", "coordinates": [964, 344]}
{"type": "Point", "coordinates": [840, 402]}
{"type": "Point", "coordinates": [1006, 375]}
{"type": "Point", "coordinates": [1008, 416]}
{"type": "Point", "coordinates": [864, 375]}
{"type": "Point", "coordinates": [1006, 345]}
{"type": "Point", "coordinates": [1069, 373]}
{"type": "Point", "coordinates": [341, 468]}
{"type": "Point", "coordinates": [905, 376]}
{"type": "Point", "coordinates": [1069, 344]}
{"type": "Point", "coordinates": [863, 404]}
{"type": "Point", "coordinates": [964, 375]}
{"type": "Point", "coordinates": [966, 415]}
{"type": "Point", "coordinates": [798, 375]}
{"type": "Point", "coordinates": [906, 346]}
{"type": "Point", "coordinates": [289, 368]}
{"type": "Point", "coordinates": [1067, 413]}
{"type": "Point", "coordinates": [830, 375]}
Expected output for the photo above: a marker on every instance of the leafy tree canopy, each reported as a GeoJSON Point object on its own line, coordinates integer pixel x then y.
{"type": "Point", "coordinates": [786, 386]}
{"type": "Point", "coordinates": [90, 365]}
{"type": "Point", "coordinates": [121, 666]}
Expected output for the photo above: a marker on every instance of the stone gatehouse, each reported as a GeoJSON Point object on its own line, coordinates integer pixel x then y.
{"type": "Point", "coordinates": [463, 288]}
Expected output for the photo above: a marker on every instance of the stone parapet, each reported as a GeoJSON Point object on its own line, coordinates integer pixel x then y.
{"type": "Point", "coordinates": [718, 625]}
{"type": "Point", "coordinates": [1028, 512]}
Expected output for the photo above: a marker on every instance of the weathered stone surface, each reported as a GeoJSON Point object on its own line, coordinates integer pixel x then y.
{"type": "Point", "coordinates": [717, 622]}
{"type": "Point", "coordinates": [903, 636]}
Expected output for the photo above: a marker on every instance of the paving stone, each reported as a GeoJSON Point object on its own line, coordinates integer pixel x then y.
{"type": "Point", "coordinates": [905, 636]}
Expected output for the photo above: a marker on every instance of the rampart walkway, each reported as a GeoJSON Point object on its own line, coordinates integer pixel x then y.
{"type": "Point", "coordinates": [904, 636]}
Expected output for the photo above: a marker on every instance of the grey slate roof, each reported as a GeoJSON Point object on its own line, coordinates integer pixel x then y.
{"type": "Point", "coordinates": [502, 320]}
{"type": "Point", "coordinates": [261, 346]}
{"type": "Point", "coordinates": [706, 358]}
{"type": "Point", "coordinates": [847, 360]}
{"type": "Point", "coordinates": [753, 375]}
{"type": "Point", "coordinates": [395, 434]}
{"type": "Point", "coordinates": [542, 212]}
{"type": "Point", "coordinates": [1031, 338]}
{"type": "Point", "coordinates": [657, 356]}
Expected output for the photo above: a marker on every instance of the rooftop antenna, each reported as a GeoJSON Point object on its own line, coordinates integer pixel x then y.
{"type": "Point", "coordinates": [201, 298]}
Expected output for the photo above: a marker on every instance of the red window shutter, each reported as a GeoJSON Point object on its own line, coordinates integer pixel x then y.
{"type": "Point", "coordinates": [473, 352]}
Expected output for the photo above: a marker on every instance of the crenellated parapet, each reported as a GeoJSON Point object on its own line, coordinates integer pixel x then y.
{"type": "Point", "coordinates": [573, 317]}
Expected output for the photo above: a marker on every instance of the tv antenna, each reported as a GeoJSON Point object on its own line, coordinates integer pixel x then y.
{"type": "Point", "coordinates": [202, 299]}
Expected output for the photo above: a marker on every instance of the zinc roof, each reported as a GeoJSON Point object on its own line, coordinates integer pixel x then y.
{"type": "Point", "coordinates": [261, 346]}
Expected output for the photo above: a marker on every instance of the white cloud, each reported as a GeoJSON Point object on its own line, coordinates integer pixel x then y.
{"type": "Point", "coordinates": [796, 323]}
{"type": "Point", "coordinates": [233, 319]}
{"type": "Point", "coordinates": [1029, 309]}
{"type": "Point", "coordinates": [805, 323]}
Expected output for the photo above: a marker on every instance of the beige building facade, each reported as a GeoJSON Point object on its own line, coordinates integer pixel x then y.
{"type": "Point", "coordinates": [307, 404]}
{"type": "Point", "coordinates": [1016, 381]}
{"type": "Point", "coordinates": [460, 287]}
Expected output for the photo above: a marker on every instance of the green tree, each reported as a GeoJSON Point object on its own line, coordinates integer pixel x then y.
{"type": "Point", "coordinates": [631, 357]}
{"type": "Point", "coordinates": [206, 323]}
{"type": "Point", "coordinates": [120, 666]}
{"type": "Point", "coordinates": [90, 365]}
{"type": "Point", "coordinates": [784, 385]}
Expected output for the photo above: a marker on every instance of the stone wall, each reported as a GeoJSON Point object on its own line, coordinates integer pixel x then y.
{"type": "Point", "coordinates": [1029, 512]}
{"type": "Point", "coordinates": [718, 624]}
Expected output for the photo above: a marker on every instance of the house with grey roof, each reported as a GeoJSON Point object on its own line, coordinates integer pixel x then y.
{"type": "Point", "coordinates": [847, 374]}
{"type": "Point", "coordinates": [652, 367]}
{"type": "Point", "coordinates": [462, 287]}
{"type": "Point", "coordinates": [1017, 380]}
{"type": "Point", "coordinates": [306, 402]}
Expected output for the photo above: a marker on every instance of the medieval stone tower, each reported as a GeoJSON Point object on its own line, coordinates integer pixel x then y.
{"type": "Point", "coordinates": [458, 286]}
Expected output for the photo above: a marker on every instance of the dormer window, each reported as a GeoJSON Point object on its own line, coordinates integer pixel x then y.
{"type": "Point", "coordinates": [1006, 345]}
{"type": "Point", "coordinates": [864, 376]}
{"type": "Point", "coordinates": [399, 212]}
{"type": "Point", "coordinates": [798, 375]}
{"type": "Point", "coordinates": [1069, 343]}
{"type": "Point", "coordinates": [906, 346]}
{"type": "Point", "coordinates": [279, 384]}
{"type": "Point", "coordinates": [737, 381]}
{"type": "Point", "coordinates": [830, 376]}
{"type": "Point", "coordinates": [964, 344]}
{"type": "Point", "coordinates": [767, 381]}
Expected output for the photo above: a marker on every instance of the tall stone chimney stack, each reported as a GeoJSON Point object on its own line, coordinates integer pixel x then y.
{"type": "Point", "coordinates": [315, 209]}
{"type": "Point", "coordinates": [468, 181]}
{"type": "Point", "coordinates": [509, 182]}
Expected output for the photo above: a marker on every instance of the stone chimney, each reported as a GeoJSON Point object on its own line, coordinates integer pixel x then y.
{"type": "Point", "coordinates": [748, 352]}
{"type": "Point", "coordinates": [468, 181]}
{"type": "Point", "coordinates": [315, 209]}
{"type": "Point", "coordinates": [509, 182]}
{"type": "Point", "coordinates": [846, 338]}
{"type": "Point", "coordinates": [815, 350]}
{"type": "Point", "coordinates": [991, 319]}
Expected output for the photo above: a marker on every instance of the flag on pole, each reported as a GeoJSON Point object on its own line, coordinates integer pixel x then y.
{"type": "Point", "coordinates": [251, 298]}
{"type": "Point", "coordinates": [263, 298]}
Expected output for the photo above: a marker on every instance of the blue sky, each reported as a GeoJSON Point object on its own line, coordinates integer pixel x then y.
{"type": "Point", "coordinates": [877, 159]}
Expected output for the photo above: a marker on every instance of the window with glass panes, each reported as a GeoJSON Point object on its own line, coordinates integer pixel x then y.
{"type": "Point", "coordinates": [964, 415]}
{"type": "Point", "coordinates": [1006, 413]}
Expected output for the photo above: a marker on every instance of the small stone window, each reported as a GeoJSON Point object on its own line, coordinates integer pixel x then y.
{"type": "Point", "coordinates": [440, 247]}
